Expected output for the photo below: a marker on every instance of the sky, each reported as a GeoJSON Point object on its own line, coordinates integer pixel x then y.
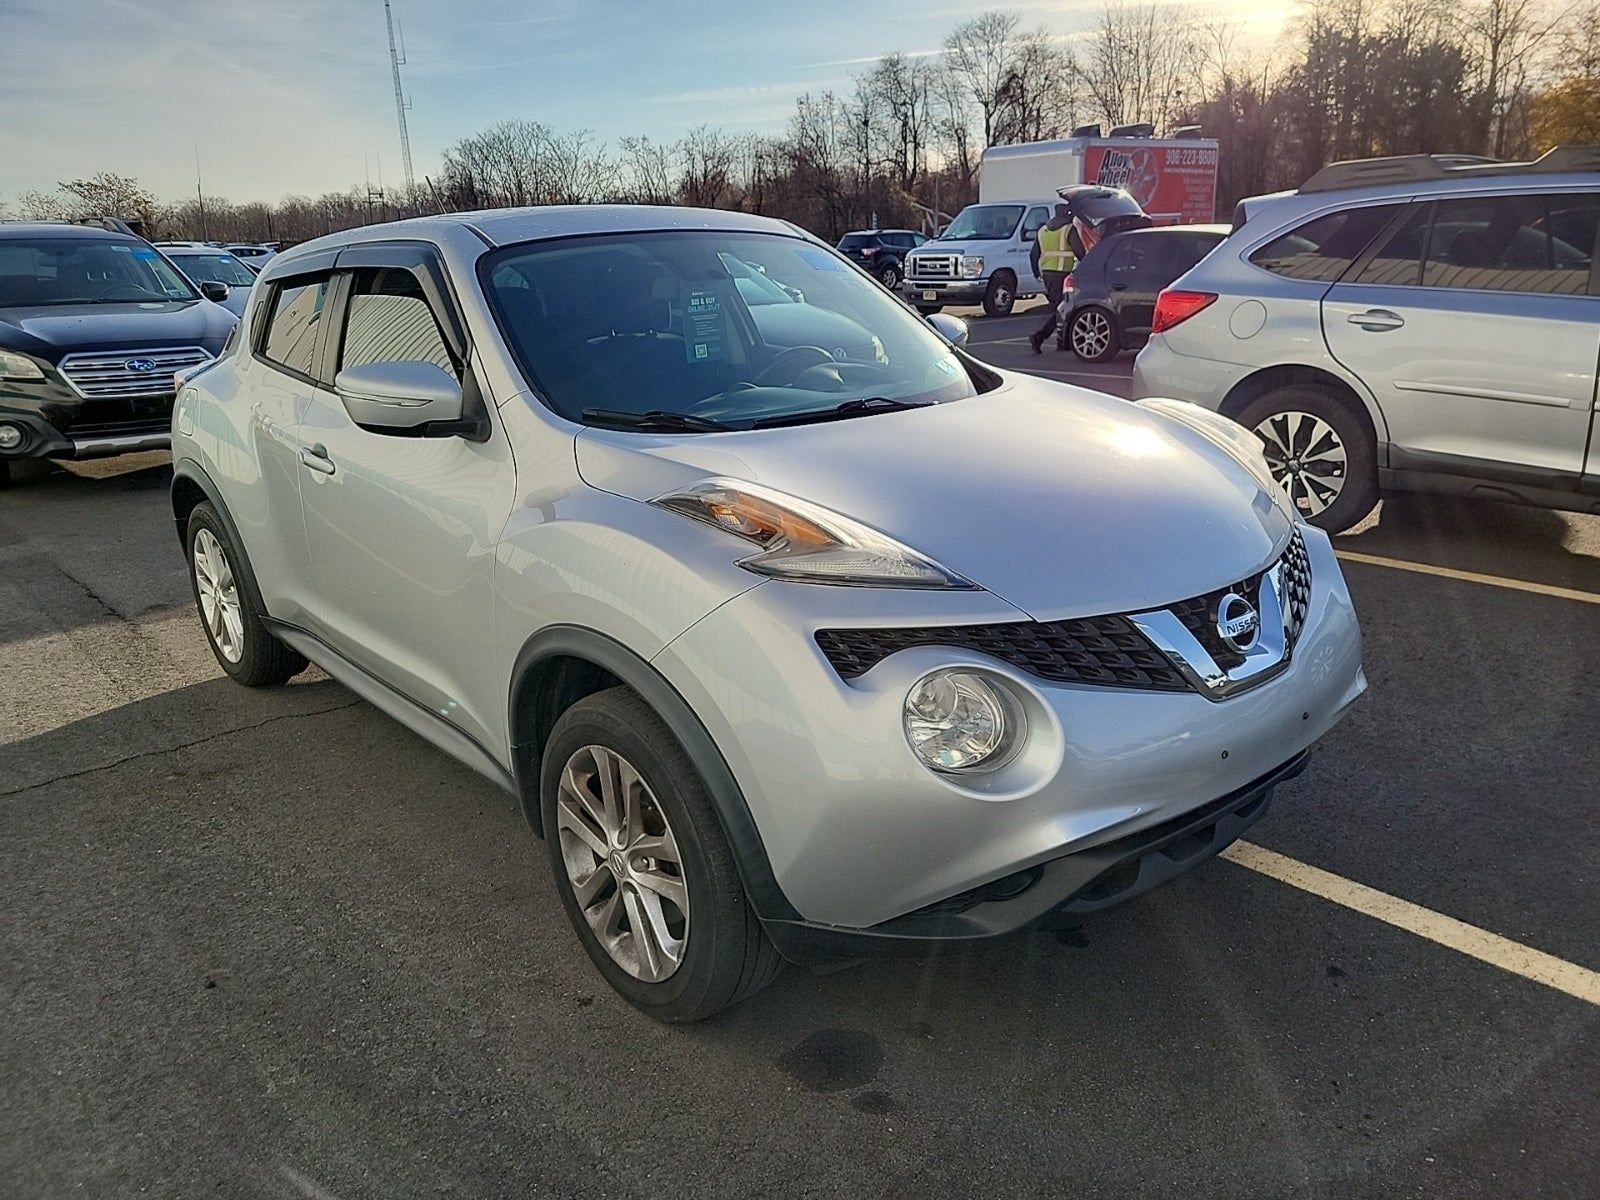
{"type": "Point", "coordinates": [295, 96]}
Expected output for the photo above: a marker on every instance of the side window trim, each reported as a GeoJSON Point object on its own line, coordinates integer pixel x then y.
{"type": "Point", "coordinates": [1402, 215]}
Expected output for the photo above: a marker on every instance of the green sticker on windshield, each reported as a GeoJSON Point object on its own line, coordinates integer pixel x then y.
{"type": "Point", "coordinates": [702, 325]}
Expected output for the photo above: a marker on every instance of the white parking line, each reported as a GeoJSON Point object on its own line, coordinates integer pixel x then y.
{"type": "Point", "coordinates": [1480, 944]}
{"type": "Point", "coordinates": [1501, 581]}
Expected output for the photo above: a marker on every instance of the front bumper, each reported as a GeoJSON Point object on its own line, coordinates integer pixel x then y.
{"type": "Point", "coordinates": [859, 833]}
{"type": "Point", "coordinates": [41, 439]}
{"type": "Point", "coordinates": [944, 291]}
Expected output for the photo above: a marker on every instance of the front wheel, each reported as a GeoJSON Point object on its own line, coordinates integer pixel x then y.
{"type": "Point", "coordinates": [1319, 450]}
{"type": "Point", "coordinates": [1001, 296]}
{"type": "Point", "coordinates": [643, 868]}
{"type": "Point", "coordinates": [241, 642]}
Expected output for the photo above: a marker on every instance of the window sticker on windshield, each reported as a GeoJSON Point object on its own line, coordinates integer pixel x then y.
{"type": "Point", "coordinates": [949, 365]}
{"type": "Point", "coordinates": [143, 252]}
{"type": "Point", "coordinates": [702, 325]}
{"type": "Point", "coordinates": [820, 259]}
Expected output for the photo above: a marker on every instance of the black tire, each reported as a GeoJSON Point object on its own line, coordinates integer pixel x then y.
{"type": "Point", "coordinates": [1001, 296]}
{"type": "Point", "coordinates": [262, 658]}
{"type": "Point", "coordinates": [928, 310]}
{"type": "Point", "coordinates": [727, 956]}
{"type": "Point", "coordinates": [889, 276]}
{"type": "Point", "coordinates": [1085, 329]}
{"type": "Point", "coordinates": [1357, 489]}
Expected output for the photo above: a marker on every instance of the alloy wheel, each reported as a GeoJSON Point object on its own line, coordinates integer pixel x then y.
{"type": "Point", "coordinates": [890, 277]}
{"type": "Point", "coordinates": [623, 863]}
{"type": "Point", "coordinates": [1307, 458]}
{"type": "Point", "coordinates": [219, 596]}
{"type": "Point", "coordinates": [1091, 334]}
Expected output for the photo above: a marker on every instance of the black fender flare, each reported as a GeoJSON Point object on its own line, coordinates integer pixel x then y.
{"type": "Point", "coordinates": [187, 471]}
{"type": "Point", "coordinates": [575, 641]}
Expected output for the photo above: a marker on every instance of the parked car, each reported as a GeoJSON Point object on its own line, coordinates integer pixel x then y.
{"type": "Point", "coordinates": [881, 252]}
{"type": "Point", "coordinates": [1111, 294]}
{"type": "Point", "coordinates": [93, 325]}
{"type": "Point", "coordinates": [786, 657]}
{"type": "Point", "coordinates": [201, 265]}
{"type": "Point", "coordinates": [254, 256]}
{"type": "Point", "coordinates": [1425, 323]}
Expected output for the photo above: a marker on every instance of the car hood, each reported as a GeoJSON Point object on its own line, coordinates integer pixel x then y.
{"type": "Point", "coordinates": [965, 246]}
{"type": "Point", "coordinates": [60, 329]}
{"type": "Point", "coordinates": [1062, 501]}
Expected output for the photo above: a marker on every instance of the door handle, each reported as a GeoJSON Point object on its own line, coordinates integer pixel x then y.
{"type": "Point", "coordinates": [1119, 287]}
{"type": "Point", "coordinates": [1377, 320]}
{"type": "Point", "coordinates": [316, 457]}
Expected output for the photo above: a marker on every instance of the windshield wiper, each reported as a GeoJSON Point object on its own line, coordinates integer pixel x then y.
{"type": "Point", "coordinates": [656, 418]}
{"type": "Point", "coordinates": [850, 408]}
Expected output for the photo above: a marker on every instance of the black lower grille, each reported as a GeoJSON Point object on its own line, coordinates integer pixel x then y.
{"type": "Point", "coordinates": [1106, 651]}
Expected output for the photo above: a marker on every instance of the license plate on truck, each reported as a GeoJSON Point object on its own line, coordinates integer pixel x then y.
{"type": "Point", "coordinates": [930, 295]}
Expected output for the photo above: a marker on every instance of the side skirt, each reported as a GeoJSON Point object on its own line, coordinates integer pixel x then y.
{"type": "Point", "coordinates": [402, 708]}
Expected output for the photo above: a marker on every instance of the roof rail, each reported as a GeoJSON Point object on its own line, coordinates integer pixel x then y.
{"type": "Point", "coordinates": [1420, 168]}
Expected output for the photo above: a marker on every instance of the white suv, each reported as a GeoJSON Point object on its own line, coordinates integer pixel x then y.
{"type": "Point", "coordinates": [787, 648]}
{"type": "Point", "coordinates": [1418, 323]}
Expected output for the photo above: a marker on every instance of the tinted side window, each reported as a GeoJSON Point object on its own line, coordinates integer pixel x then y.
{"type": "Point", "coordinates": [1399, 260]}
{"type": "Point", "coordinates": [1035, 222]}
{"type": "Point", "coordinates": [293, 318]}
{"type": "Point", "coordinates": [1323, 249]}
{"type": "Point", "coordinates": [389, 320]}
{"type": "Point", "coordinates": [1513, 244]}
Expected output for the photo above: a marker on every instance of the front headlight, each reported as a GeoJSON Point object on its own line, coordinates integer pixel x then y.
{"type": "Point", "coordinates": [959, 721]}
{"type": "Point", "coordinates": [806, 542]}
{"type": "Point", "coordinates": [972, 268]}
{"type": "Point", "coordinates": [18, 366]}
{"type": "Point", "coordinates": [1233, 437]}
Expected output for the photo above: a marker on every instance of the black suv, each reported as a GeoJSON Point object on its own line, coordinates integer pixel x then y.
{"type": "Point", "coordinates": [93, 325]}
{"type": "Point", "coordinates": [881, 252]}
{"type": "Point", "coordinates": [1111, 297]}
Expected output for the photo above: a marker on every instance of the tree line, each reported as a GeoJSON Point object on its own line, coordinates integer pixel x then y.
{"type": "Point", "coordinates": [902, 145]}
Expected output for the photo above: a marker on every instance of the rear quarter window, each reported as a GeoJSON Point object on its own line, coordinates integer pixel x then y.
{"type": "Point", "coordinates": [1324, 248]}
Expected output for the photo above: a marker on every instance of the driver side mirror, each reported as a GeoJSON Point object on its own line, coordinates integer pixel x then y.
{"type": "Point", "coordinates": [214, 290]}
{"type": "Point", "coordinates": [952, 329]}
{"type": "Point", "coordinates": [400, 396]}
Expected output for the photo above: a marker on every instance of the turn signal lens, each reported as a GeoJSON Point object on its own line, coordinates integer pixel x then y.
{"type": "Point", "coordinates": [1173, 307]}
{"type": "Point", "coordinates": [806, 542]}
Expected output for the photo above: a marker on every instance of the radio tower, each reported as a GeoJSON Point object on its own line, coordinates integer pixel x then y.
{"type": "Point", "coordinates": [396, 58]}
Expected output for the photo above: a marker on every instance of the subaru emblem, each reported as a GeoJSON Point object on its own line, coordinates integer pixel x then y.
{"type": "Point", "coordinates": [142, 365]}
{"type": "Point", "coordinates": [1238, 623]}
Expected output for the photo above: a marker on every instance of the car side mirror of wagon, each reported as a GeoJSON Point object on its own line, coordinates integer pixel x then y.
{"type": "Point", "coordinates": [399, 396]}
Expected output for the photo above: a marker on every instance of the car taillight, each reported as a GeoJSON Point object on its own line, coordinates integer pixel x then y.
{"type": "Point", "coordinates": [1174, 307]}
{"type": "Point", "coordinates": [868, 251]}
{"type": "Point", "coordinates": [1066, 284]}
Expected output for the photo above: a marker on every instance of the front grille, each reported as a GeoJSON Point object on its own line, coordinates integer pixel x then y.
{"type": "Point", "coordinates": [933, 266]}
{"type": "Point", "coordinates": [105, 374]}
{"type": "Point", "coordinates": [131, 428]}
{"type": "Point", "coordinates": [1107, 651]}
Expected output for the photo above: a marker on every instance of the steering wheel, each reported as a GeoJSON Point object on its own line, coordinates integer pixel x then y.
{"type": "Point", "coordinates": [790, 363]}
{"type": "Point", "coordinates": [139, 292]}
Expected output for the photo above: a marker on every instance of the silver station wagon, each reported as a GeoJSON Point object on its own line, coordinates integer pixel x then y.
{"type": "Point", "coordinates": [795, 639]}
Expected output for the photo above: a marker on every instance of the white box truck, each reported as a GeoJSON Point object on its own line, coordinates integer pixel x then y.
{"type": "Point", "coordinates": [984, 255]}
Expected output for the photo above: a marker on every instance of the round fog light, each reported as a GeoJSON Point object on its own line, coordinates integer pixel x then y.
{"type": "Point", "coordinates": [10, 437]}
{"type": "Point", "coordinates": [958, 720]}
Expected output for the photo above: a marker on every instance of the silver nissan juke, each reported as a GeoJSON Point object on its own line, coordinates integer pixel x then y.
{"type": "Point", "coordinates": [798, 632]}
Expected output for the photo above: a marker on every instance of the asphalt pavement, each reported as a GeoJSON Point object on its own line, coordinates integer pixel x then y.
{"type": "Point", "coordinates": [271, 944]}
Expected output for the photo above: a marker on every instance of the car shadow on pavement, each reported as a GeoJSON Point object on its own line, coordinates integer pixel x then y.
{"type": "Point", "coordinates": [1517, 541]}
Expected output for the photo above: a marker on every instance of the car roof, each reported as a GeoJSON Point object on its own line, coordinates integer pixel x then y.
{"type": "Point", "coordinates": [1214, 230]}
{"type": "Point", "coordinates": [60, 229]}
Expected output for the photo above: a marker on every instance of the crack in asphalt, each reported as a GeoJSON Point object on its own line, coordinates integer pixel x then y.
{"type": "Point", "coordinates": [210, 737]}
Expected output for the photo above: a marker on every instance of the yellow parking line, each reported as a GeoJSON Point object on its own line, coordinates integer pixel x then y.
{"type": "Point", "coordinates": [1467, 939]}
{"type": "Point", "coordinates": [1501, 581]}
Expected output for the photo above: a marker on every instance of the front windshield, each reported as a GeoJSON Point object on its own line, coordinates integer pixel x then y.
{"type": "Point", "coordinates": [70, 270]}
{"type": "Point", "coordinates": [658, 323]}
{"type": "Point", "coordinates": [983, 222]}
{"type": "Point", "coordinates": [214, 268]}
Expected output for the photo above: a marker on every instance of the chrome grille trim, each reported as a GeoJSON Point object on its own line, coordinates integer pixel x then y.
{"type": "Point", "coordinates": [933, 266]}
{"type": "Point", "coordinates": [103, 374]}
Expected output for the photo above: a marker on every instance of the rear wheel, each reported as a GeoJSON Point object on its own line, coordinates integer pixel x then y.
{"type": "Point", "coordinates": [643, 868]}
{"type": "Point", "coordinates": [1320, 451]}
{"type": "Point", "coordinates": [1092, 334]}
{"type": "Point", "coordinates": [1001, 296]}
{"type": "Point", "coordinates": [889, 276]}
{"type": "Point", "coordinates": [242, 644]}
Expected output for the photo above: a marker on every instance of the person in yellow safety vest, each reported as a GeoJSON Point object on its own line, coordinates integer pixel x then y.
{"type": "Point", "coordinates": [1053, 261]}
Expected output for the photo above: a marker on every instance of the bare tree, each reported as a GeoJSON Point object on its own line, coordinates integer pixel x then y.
{"type": "Point", "coordinates": [1142, 61]}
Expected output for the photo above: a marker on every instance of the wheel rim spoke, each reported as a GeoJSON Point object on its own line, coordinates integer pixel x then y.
{"type": "Point", "coordinates": [622, 863]}
{"type": "Point", "coordinates": [218, 593]}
